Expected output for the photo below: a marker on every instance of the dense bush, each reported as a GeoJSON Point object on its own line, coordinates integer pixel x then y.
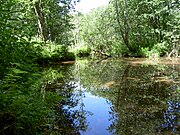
{"type": "Point", "coordinates": [156, 51]}
{"type": "Point", "coordinates": [26, 108]}
{"type": "Point", "coordinates": [52, 52]}
{"type": "Point", "coordinates": [82, 51]}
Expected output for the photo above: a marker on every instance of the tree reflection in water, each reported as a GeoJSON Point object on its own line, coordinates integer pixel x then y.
{"type": "Point", "coordinates": [172, 117]}
{"type": "Point", "coordinates": [141, 100]}
{"type": "Point", "coordinates": [139, 93]}
{"type": "Point", "coordinates": [68, 118]}
{"type": "Point", "coordinates": [138, 96]}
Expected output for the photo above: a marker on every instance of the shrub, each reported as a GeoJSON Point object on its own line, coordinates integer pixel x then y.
{"type": "Point", "coordinates": [157, 50]}
{"type": "Point", "coordinates": [52, 52]}
{"type": "Point", "coordinates": [26, 108]}
{"type": "Point", "coordinates": [83, 51]}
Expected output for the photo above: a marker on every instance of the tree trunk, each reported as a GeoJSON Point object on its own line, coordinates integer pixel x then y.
{"type": "Point", "coordinates": [41, 20]}
{"type": "Point", "coordinates": [125, 33]}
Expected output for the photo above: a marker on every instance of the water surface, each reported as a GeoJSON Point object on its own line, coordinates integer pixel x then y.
{"type": "Point", "coordinates": [121, 97]}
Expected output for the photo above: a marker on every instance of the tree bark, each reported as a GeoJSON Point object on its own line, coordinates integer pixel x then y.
{"type": "Point", "coordinates": [41, 20]}
{"type": "Point", "coordinates": [125, 33]}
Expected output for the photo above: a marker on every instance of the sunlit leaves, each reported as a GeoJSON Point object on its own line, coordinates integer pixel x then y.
{"type": "Point", "coordinates": [151, 23]}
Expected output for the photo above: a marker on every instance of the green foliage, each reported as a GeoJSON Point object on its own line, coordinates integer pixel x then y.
{"type": "Point", "coordinates": [50, 20]}
{"type": "Point", "coordinates": [82, 51]}
{"type": "Point", "coordinates": [131, 28]}
{"type": "Point", "coordinates": [95, 31]}
{"type": "Point", "coordinates": [52, 52]}
{"type": "Point", "coordinates": [24, 98]}
{"type": "Point", "coordinates": [26, 108]}
{"type": "Point", "coordinates": [156, 51]}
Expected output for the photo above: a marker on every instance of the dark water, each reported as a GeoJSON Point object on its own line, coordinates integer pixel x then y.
{"type": "Point", "coordinates": [121, 97]}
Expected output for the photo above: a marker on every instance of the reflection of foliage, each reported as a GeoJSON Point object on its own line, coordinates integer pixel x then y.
{"type": "Point", "coordinates": [68, 118]}
{"type": "Point", "coordinates": [172, 113]}
{"type": "Point", "coordinates": [171, 117]}
{"type": "Point", "coordinates": [70, 122]}
{"type": "Point", "coordinates": [138, 93]}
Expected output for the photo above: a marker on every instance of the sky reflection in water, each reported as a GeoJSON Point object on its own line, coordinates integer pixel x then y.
{"type": "Point", "coordinates": [133, 99]}
{"type": "Point", "coordinates": [99, 121]}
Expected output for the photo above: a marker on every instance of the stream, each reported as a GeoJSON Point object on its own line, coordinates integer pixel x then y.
{"type": "Point", "coordinates": [127, 96]}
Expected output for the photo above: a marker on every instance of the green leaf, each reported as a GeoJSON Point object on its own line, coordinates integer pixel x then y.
{"type": "Point", "coordinates": [18, 71]}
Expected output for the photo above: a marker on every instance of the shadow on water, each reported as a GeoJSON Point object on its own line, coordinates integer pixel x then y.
{"type": "Point", "coordinates": [121, 97]}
